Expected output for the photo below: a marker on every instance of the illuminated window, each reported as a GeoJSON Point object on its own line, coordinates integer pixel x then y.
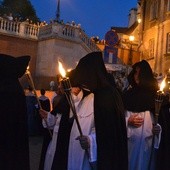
{"type": "Point", "coordinates": [168, 43]}
{"type": "Point", "coordinates": [151, 48]}
{"type": "Point", "coordinates": [154, 10]}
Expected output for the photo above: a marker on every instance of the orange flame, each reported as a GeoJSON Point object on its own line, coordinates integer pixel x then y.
{"type": "Point", "coordinates": [163, 84]}
{"type": "Point", "coordinates": [61, 69]}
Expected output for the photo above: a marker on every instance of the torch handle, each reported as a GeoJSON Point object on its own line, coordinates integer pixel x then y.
{"type": "Point", "coordinates": [33, 87]}
{"type": "Point", "coordinates": [72, 107]}
{"type": "Point", "coordinates": [158, 103]}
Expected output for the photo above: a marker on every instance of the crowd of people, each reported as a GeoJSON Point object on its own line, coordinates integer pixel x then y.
{"type": "Point", "coordinates": [94, 126]}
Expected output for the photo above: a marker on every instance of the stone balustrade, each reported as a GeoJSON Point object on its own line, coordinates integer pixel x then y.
{"type": "Point", "coordinates": [53, 30]}
{"type": "Point", "coordinates": [68, 32]}
{"type": "Point", "coordinates": [22, 29]}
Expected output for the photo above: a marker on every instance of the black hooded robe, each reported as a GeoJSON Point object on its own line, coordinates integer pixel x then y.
{"type": "Point", "coordinates": [14, 145]}
{"type": "Point", "coordinates": [108, 113]}
{"type": "Point", "coordinates": [163, 155]}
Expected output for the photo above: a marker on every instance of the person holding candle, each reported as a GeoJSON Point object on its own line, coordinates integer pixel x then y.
{"type": "Point", "coordinates": [67, 149]}
{"type": "Point", "coordinates": [14, 144]}
{"type": "Point", "coordinates": [139, 102]}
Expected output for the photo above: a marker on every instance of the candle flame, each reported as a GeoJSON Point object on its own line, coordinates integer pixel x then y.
{"type": "Point", "coordinates": [163, 83]}
{"type": "Point", "coordinates": [61, 69]}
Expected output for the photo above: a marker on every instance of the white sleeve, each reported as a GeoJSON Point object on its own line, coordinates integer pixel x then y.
{"type": "Point", "coordinates": [50, 121]}
{"type": "Point", "coordinates": [93, 146]}
{"type": "Point", "coordinates": [157, 139]}
{"type": "Point", "coordinates": [127, 115]}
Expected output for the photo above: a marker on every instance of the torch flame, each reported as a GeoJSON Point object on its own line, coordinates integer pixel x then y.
{"type": "Point", "coordinates": [61, 69]}
{"type": "Point", "coordinates": [163, 83]}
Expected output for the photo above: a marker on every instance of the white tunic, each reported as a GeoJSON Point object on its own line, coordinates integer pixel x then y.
{"type": "Point", "coordinates": [77, 159]}
{"type": "Point", "coordinates": [140, 142]}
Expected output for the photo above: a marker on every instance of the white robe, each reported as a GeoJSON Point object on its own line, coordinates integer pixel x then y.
{"type": "Point", "coordinates": [77, 159]}
{"type": "Point", "coordinates": [140, 142]}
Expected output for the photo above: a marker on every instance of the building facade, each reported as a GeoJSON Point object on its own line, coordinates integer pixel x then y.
{"type": "Point", "coordinates": [154, 34]}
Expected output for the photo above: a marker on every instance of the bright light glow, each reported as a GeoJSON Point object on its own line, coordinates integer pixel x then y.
{"type": "Point", "coordinates": [139, 20]}
{"type": "Point", "coordinates": [131, 38]}
{"type": "Point", "coordinates": [61, 69]}
{"type": "Point", "coordinates": [163, 83]}
{"type": "Point", "coordinates": [69, 69]}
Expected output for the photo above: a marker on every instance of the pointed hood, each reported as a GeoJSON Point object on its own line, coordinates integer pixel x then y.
{"type": "Point", "coordinates": [13, 66]}
{"type": "Point", "coordinates": [91, 71]}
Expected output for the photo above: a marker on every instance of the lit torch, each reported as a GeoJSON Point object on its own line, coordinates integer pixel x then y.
{"type": "Point", "coordinates": [159, 100]}
{"type": "Point", "coordinates": [65, 82]}
{"type": "Point", "coordinates": [158, 103]}
{"type": "Point", "coordinates": [32, 85]}
{"type": "Point", "coordinates": [34, 90]}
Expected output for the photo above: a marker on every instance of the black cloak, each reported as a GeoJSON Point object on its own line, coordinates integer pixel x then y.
{"type": "Point", "coordinates": [108, 113]}
{"type": "Point", "coordinates": [163, 157]}
{"type": "Point", "coordinates": [14, 145]}
{"type": "Point", "coordinates": [141, 97]}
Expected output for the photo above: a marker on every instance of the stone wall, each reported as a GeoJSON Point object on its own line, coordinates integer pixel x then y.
{"type": "Point", "coordinates": [15, 46]}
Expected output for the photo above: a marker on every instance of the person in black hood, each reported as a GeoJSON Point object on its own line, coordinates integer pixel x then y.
{"type": "Point", "coordinates": [14, 145]}
{"type": "Point", "coordinates": [109, 117]}
{"type": "Point", "coordinates": [139, 102]}
{"type": "Point", "coordinates": [163, 158]}
{"type": "Point", "coordinates": [66, 149]}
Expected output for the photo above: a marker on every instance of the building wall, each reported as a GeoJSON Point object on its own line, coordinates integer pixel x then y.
{"type": "Point", "coordinates": [50, 51]}
{"type": "Point", "coordinates": [157, 29]}
{"type": "Point", "coordinates": [16, 47]}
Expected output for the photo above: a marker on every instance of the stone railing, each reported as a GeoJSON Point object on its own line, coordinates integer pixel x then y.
{"type": "Point", "coordinates": [22, 29]}
{"type": "Point", "coordinates": [55, 30]}
{"type": "Point", "coordinates": [64, 31]}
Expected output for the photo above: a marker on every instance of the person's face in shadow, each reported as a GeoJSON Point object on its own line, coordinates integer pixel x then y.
{"type": "Point", "coordinates": [136, 75]}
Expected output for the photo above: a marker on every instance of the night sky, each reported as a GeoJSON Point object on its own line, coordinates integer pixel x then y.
{"type": "Point", "coordinates": [95, 16]}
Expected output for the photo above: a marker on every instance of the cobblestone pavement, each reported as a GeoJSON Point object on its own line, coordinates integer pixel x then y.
{"type": "Point", "coordinates": [35, 144]}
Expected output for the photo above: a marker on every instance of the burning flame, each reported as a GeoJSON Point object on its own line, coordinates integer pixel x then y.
{"type": "Point", "coordinates": [163, 83]}
{"type": "Point", "coordinates": [61, 69]}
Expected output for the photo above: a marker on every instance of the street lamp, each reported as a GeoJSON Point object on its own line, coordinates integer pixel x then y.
{"type": "Point", "coordinates": [139, 20]}
{"type": "Point", "coordinates": [131, 39]}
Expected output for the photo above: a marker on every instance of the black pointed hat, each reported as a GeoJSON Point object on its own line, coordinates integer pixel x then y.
{"type": "Point", "coordinates": [91, 71]}
{"type": "Point", "coordinates": [13, 66]}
